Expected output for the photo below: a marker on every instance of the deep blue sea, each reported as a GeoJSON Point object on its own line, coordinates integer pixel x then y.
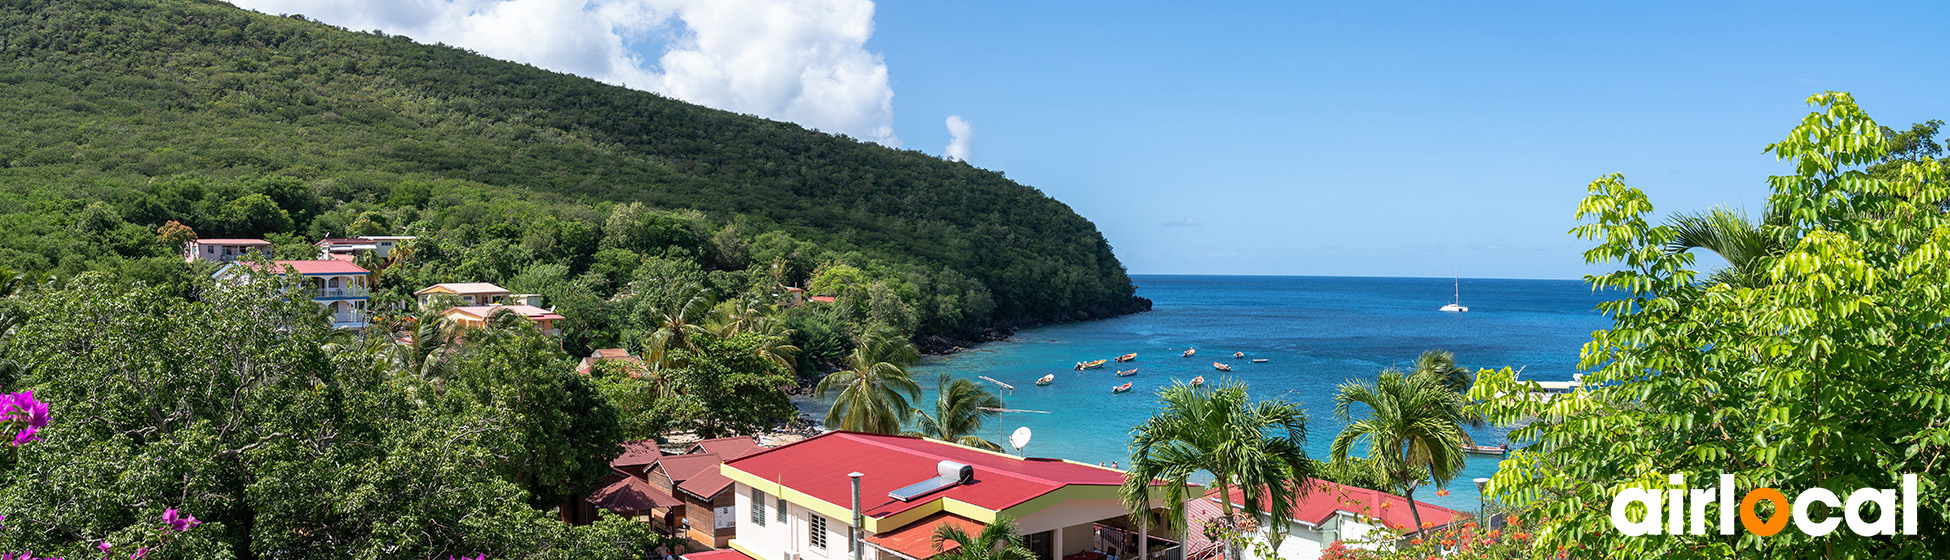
{"type": "Point", "coordinates": [1314, 332]}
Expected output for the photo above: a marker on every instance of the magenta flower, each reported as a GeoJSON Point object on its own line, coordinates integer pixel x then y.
{"type": "Point", "coordinates": [179, 522]}
{"type": "Point", "coordinates": [104, 546]}
{"type": "Point", "coordinates": [22, 407]}
{"type": "Point", "coordinates": [140, 553]}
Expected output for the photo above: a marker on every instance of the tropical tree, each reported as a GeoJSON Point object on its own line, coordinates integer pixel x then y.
{"type": "Point", "coordinates": [1442, 365]}
{"type": "Point", "coordinates": [1220, 431]}
{"type": "Point", "coordinates": [675, 317]}
{"type": "Point", "coordinates": [874, 390]}
{"type": "Point", "coordinates": [429, 352]}
{"type": "Point", "coordinates": [1414, 422]}
{"type": "Point", "coordinates": [1746, 245]}
{"type": "Point", "coordinates": [997, 541]}
{"type": "Point", "coordinates": [958, 414]}
{"type": "Point", "coordinates": [1834, 373]}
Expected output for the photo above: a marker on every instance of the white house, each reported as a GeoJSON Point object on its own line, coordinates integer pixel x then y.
{"type": "Point", "coordinates": [796, 502]}
{"type": "Point", "coordinates": [1327, 512]}
{"type": "Point", "coordinates": [225, 250]}
{"type": "Point", "coordinates": [336, 285]}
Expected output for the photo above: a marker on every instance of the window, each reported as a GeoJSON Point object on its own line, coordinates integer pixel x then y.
{"type": "Point", "coordinates": [782, 510]}
{"type": "Point", "coordinates": [758, 508]}
{"type": "Point", "coordinates": [816, 530]}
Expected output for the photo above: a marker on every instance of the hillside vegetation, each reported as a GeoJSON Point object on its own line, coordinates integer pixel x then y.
{"type": "Point", "coordinates": [124, 115]}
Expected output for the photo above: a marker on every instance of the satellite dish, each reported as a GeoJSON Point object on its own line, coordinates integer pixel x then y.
{"type": "Point", "coordinates": [1020, 438]}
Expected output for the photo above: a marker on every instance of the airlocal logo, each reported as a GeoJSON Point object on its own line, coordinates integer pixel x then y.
{"type": "Point", "coordinates": [1678, 505]}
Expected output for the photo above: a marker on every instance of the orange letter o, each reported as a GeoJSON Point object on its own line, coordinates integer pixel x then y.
{"type": "Point", "coordinates": [1752, 522]}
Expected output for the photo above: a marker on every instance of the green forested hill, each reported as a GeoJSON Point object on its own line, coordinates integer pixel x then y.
{"type": "Point", "coordinates": [118, 116]}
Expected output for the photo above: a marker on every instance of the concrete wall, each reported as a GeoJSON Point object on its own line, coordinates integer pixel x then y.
{"type": "Point", "coordinates": [774, 540]}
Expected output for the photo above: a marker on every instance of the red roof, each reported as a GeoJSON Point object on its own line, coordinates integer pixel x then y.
{"type": "Point", "coordinates": [727, 447]}
{"type": "Point", "coordinates": [818, 467]}
{"type": "Point", "coordinates": [916, 540]}
{"type": "Point", "coordinates": [347, 257]}
{"type": "Point", "coordinates": [706, 485]}
{"type": "Point", "coordinates": [232, 242]}
{"type": "Point", "coordinates": [640, 452]}
{"type": "Point", "coordinates": [529, 311]}
{"type": "Point", "coordinates": [632, 494]}
{"type": "Point", "coordinates": [327, 266]}
{"type": "Point", "coordinates": [1323, 499]}
{"type": "Point", "coordinates": [824, 299]}
{"type": "Point", "coordinates": [682, 467]}
{"type": "Point", "coordinates": [720, 554]}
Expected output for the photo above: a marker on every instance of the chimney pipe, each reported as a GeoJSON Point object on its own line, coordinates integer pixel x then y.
{"type": "Point", "coordinates": [854, 534]}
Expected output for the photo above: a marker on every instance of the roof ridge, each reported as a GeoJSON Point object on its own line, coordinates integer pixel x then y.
{"type": "Point", "coordinates": [939, 457]}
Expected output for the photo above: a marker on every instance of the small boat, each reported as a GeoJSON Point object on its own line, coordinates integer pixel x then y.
{"type": "Point", "coordinates": [1127, 373]}
{"type": "Point", "coordinates": [1127, 357]}
{"type": "Point", "coordinates": [1120, 388]}
{"type": "Point", "coordinates": [1190, 351]}
{"type": "Point", "coordinates": [1045, 380]}
{"type": "Point", "coordinates": [1238, 354]}
{"type": "Point", "coordinates": [1455, 305]}
{"type": "Point", "coordinates": [1259, 360]}
{"type": "Point", "coordinates": [1221, 367]}
{"type": "Point", "coordinates": [1091, 365]}
{"type": "Point", "coordinates": [1197, 381]}
{"type": "Point", "coordinates": [1486, 449]}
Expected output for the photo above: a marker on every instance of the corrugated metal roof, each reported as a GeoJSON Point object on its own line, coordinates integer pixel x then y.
{"type": "Point", "coordinates": [818, 467]}
{"type": "Point", "coordinates": [1323, 499]}
{"type": "Point", "coordinates": [916, 540]}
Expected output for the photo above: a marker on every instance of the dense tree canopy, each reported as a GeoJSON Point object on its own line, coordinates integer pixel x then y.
{"type": "Point", "coordinates": [122, 116]}
{"type": "Point", "coordinates": [1831, 371]}
{"type": "Point", "coordinates": [286, 439]}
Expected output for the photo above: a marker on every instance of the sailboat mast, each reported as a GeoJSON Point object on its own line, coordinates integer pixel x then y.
{"type": "Point", "coordinates": [1457, 278]}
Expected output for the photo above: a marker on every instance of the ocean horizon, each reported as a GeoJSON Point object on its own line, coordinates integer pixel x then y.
{"type": "Point", "coordinates": [1315, 332]}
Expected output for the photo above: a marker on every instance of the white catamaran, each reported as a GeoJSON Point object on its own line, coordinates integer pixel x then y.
{"type": "Point", "coordinates": [1456, 306]}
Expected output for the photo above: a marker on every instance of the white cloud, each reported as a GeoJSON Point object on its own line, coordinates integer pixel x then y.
{"type": "Point", "coordinates": [803, 61]}
{"type": "Point", "coordinates": [961, 137]}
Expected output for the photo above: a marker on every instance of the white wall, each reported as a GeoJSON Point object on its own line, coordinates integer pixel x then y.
{"type": "Point", "coordinates": [774, 539]}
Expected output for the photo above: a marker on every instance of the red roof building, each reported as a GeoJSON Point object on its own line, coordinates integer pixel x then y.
{"type": "Point", "coordinates": [337, 286]}
{"type": "Point", "coordinates": [478, 316]}
{"type": "Point", "coordinates": [795, 501]}
{"type": "Point", "coordinates": [1325, 512]}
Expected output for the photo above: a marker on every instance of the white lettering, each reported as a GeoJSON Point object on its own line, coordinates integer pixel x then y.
{"type": "Point", "coordinates": [1625, 498]}
{"type": "Point", "coordinates": [1808, 526]}
{"type": "Point", "coordinates": [1726, 504]}
{"type": "Point", "coordinates": [1885, 501]}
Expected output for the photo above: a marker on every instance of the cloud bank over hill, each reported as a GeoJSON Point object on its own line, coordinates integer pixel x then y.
{"type": "Point", "coordinates": [803, 61]}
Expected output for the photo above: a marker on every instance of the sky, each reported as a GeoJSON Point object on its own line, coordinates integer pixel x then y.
{"type": "Point", "coordinates": [1289, 138]}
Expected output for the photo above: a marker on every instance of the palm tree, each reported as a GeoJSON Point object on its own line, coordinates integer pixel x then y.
{"type": "Point", "coordinates": [875, 389]}
{"type": "Point", "coordinates": [1414, 423]}
{"type": "Point", "coordinates": [1442, 365]}
{"type": "Point", "coordinates": [1219, 430]}
{"type": "Point", "coordinates": [958, 414]}
{"type": "Point", "coordinates": [1746, 245]}
{"type": "Point", "coordinates": [755, 317]}
{"type": "Point", "coordinates": [428, 355]}
{"type": "Point", "coordinates": [998, 541]}
{"type": "Point", "coordinates": [677, 317]}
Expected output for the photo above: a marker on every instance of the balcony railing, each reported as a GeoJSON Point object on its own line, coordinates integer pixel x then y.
{"type": "Point", "coordinates": [353, 292]}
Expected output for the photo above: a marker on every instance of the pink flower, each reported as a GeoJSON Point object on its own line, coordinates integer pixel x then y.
{"type": "Point", "coordinates": [104, 546]}
{"type": "Point", "coordinates": [22, 407]}
{"type": "Point", "coordinates": [179, 523]}
{"type": "Point", "coordinates": [140, 553]}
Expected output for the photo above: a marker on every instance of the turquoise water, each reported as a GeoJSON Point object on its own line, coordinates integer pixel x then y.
{"type": "Point", "coordinates": [1314, 332]}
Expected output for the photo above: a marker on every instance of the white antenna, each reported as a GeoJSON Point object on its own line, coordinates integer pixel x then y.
{"type": "Point", "coordinates": [1024, 432]}
{"type": "Point", "coordinates": [1010, 388]}
{"type": "Point", "coordinates": [1020, 439]}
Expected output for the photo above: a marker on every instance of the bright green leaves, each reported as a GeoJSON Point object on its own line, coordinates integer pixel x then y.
{"type": "Point", "coordinates": [1829, 369]}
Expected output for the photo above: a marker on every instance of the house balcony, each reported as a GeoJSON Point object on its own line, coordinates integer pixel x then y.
{"type": "Point", "coordinates": [347, 292]}
{"type": "Point", "coordinates": [348, 320]}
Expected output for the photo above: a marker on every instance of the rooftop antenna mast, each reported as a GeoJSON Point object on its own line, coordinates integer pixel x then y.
{"type": "Point", "coordinates": [1001, 436]}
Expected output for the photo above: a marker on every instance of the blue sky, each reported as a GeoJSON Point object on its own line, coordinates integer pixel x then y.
{"type": "Point", "coordinates": [1357, 139]}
